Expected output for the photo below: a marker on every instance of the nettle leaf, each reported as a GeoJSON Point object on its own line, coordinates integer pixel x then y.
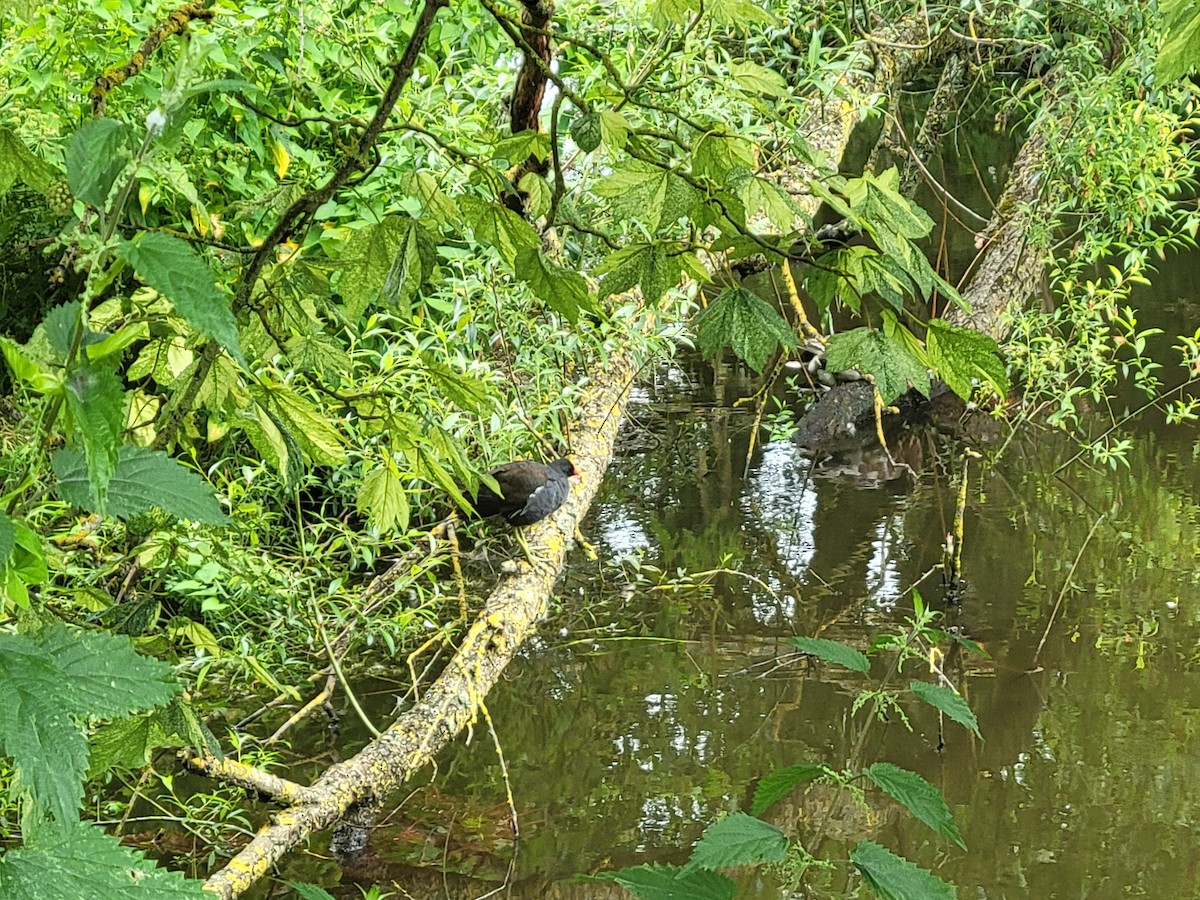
{"type": "Point", "coordinates": [563, 290]}
{"type": "Point", "coordinates": [756, 79]}
{"type": "Point", "coordinates": [745, 322]}
{"type": "Point", "coordinates": [779, 784]}
{"type": "Point", "coordinates": [385, 262]}
{"type": "Point", "coordinates": [500, 227]}
{"type": "Point", "coordinates": [96, 402]}
{"type": "Point", "coordinates": [538, 194]}
{"type": "Point", "coordinates": [49, 680]}
{"type": "Point", "coordinates": [586, 131]}
{"type": "Point", "coordinates": [894, 878]}
{"type": "Point", "coordinates": [84, 863]}
{"type": "Point", "coordinates": [383, 500]}
{"type": "Point", "coordinates": [95, 155]}
{"type": "Point", "coordinates": [833, 652]}
{"type": "Point", "coordinates": [306, 424]}
{"type": "Point", "coordinates": [143, 479]}
{"type": "Point", "coordinates": [59, 327]}
{"type": "Point", "coordinates": [738, 840]}
{"type": "Point", "coordinates": [19, 163]}
{"type": "Point", "coordinates": [180, 274]}
{"type": "Point", "coordinates": [672, 883]}
{"type": "Point", "coordinates": [646, 193]}
{"type": "Point", "coordinates": [129, 742]}
{"type": "Point", "coordinates": [959, 355]}
{"type": "Point", "coordinates": [918, 796]}
{"type": "Point", "coordinates": [892, 364]}
{"type": "Point", "coordinates": [946, 701]}
{"type": "Point", "coordinates": [310, 891]}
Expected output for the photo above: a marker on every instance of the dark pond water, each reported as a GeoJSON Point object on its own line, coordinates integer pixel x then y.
{"type": "Point", "coordinates": [651, 704]}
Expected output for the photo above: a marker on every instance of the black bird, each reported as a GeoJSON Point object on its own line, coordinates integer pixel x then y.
{"type": "Point", "coordinates": [529, 491]}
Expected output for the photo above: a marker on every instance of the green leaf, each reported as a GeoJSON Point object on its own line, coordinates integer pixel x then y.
{"type": "Point", "coordinates": [895, 878]}
{"type": "Point", "coordinates": [56, 675]}
{"type": "Point", "coordinates": [1180, 52]}
{"type": "Point", "coordinates": [615, 128]}
{"type": "Point", "coordinates": [738, 13]}
{"type": "Point", "coordinates": [672, 883]}
{"type": "Point", "coordinates": [500, 227]}
{"type": "Point", "coordinates": [564, 291]}
{"type": "Point", "coordinates": [26, 370]}
{"type": "Point", "coordinates": [461, 389]}
{"type": "Point", "coordinates": [180, 274]}
{"type": "Point", "coordinates": [126, 743]}
{"type": "Point", "coordinates": [645, 193]}
{"type": "Point", "coordinates": [918, 796]}
{"type": "Point", "coordinates": [666, 13]}
{"type": "Point", "coordinates": [522, 145]}
{"type": "Point", "coordinates": [19, 163]}
{"type": "Point", "coordinates": [383, 499]}
{"type": "Point", "coordinates": [8, 540]}
{"type": "Point", "coordinates": [95, 156]}
{"type": "Point", "coordinates": [892, 364]}
{"type": "Point", "coordinates": [538, 194]}
{"type": "Point", "coordinates": [586, 131]}
{"type": "Point", "coordinates": [738, 840]}
{"type": "Point", "coordinates": [945, 700]}
{"type": "Point", "coordinates": [305, 422]}
{"type": "Point", "coordinates": [745, 322]}
{"type": "Point", "coordinates": [84, 863]}
{"type": "Point", "coordinates": [60, 325]}
{"type": "Point", "coordinates": [386, 263]}
{"type": "Point", "coordinates": [959, 354]}
{"type": "Point", "coordinates": [780, 783]}
{"type": "Point", "coordinates": [310, 891]}
{"type": "Point", "coordinates": [833, 652]}
{"type": "Point", "coordinates": [143, 479]}
{"type": "Point", "coordinates": [715, 155]}
{"type": "Point", "coordinates": [96, 401]}
{"type": "Point", "coordinates": [755, 79]}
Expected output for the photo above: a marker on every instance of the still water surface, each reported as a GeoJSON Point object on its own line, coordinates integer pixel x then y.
{"type": "Point", "coordinates": [647, 708]}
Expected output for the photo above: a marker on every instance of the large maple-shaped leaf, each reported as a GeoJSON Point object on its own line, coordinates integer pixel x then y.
{"type": "Point", "coordinates": [84, 863]}
{"type": "Point", "coordinates": [143, 480]}
{"type": "Point", "coordinates": [53, 680]}
{"type": "Point", "coordinates": [563, 290]}
{"type": "Point", "coordinates": [893, 365]}
{"type": "Point", "coordinates": [646, 193]}
{"type": "Point", "coordinates": [959, 355]}
{"type": "Point", "coordinates": [747, 323]}
{"type": "Point", "coordinates": [501, 227]}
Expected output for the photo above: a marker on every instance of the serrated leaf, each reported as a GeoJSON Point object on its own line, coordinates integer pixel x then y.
{"type": "Point", "coordinates": [586, 131]}
{"type": "Point", "coordinates": [310, 891]}
{"type": "Point", "coordinates": [738, 840]}
{"type": "Point", "coordinates": [461, 389]}
{"type": "Point", "coordinates": [84, 863]}
{"type": "Point", "coordinates": [833, 652]}
{"type": "Point", "coordinates": [615, 128]}
{"type": "Point", "coordinates": [49, 678]}
{"type": "Point", "coordinates": [126, 743]}
{"type": "Point", "coordinates": [412, 264]}
{"type": "Point", "coordinates": [564, 291]}
{"type": "Point", "coordinates": [672, 883]}
{"type": "Point", "coordinates": [8, 540]}
{"type": "Point", "coordinates": [650, 265]}
{"type": "Point", "coordinates": [436, 203]}
{"type": "Point", "coordinates": [895, 878]}
{"type": "Point", "coordinates": [756, 79]}
{"type": "Point", "coordinates": [180, 274]}
{"type": "Point", "coordinates": [959, 355]}
{"type": "Point", "coordinates": [95, 156]}
{"type": "Point", "coordinates": [60, 325]}
{"type": "Point", "coordinates": [96, 402]}
{"type": "Point", "coordinates": [745, 322]}
{"type": "Point", "coordinates": [918, 796]}
{"type": "Point", "coordinates": [19, 163]}
{"type": "Point", "coordinates": [779, 784]}
{"type": "Point", "coordinates": [715, 155]}
{"type": "Point", "coordinates": [666, 13]}
{"type": "Point", "coordinates": [143, 479]}
{"type": "Point", "coordinates": [383, 499]}
{"type": "Point", "coordinates": [738, 13]}
{"type": "Point", "coordinates": [894, 367]}
{"type": "Point", "coordinates": [500, 227]}
{"type": "Point", "coordinates": [945, 700]}
{"type": "Point", "coordinates": [367, 260]}
{"type": "Point", "coordinates": [305, 422]}
{"type": "Point", "coordinates": [645, 193]}
{"type": "Point", "coordinates": [522, 145]}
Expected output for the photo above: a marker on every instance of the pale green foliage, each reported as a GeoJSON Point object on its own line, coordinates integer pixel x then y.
{"type": "Point", "coordinates": [1180, 51]}
{"type": "Point", "coordinates": [747, 323]}
{"type": "Point", "coordinates": [889, 360]}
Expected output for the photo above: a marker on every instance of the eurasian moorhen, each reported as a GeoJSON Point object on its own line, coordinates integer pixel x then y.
{"type": "Point", "coordinates": [529, 491]}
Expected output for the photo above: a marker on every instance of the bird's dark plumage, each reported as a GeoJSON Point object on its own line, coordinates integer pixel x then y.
{"type": "Point", "coordinates": [529, 491]}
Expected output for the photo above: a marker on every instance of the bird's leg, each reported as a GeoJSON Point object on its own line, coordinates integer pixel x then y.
{"type": "Point", "coordinates": [584, 545]}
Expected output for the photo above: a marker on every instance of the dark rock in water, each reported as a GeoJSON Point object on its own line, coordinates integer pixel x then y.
{"type": "Point", "coordinates": [838, 419]}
